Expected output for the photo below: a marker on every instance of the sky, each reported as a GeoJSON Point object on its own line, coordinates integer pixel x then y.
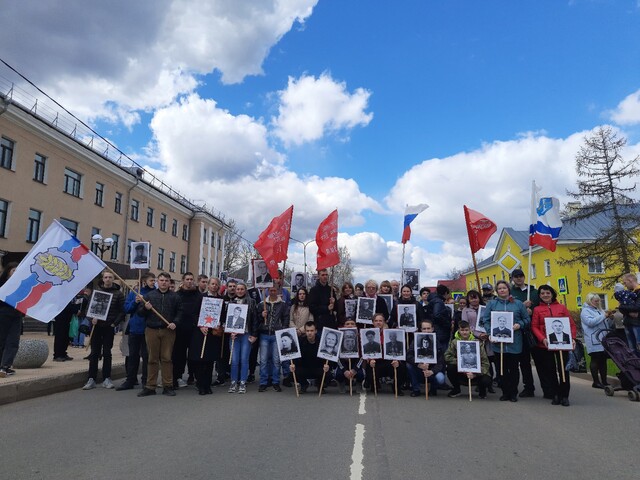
{"type": "Point", "coordinates": [251, 106]}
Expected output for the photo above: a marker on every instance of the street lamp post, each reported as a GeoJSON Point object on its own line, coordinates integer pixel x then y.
{"type": "Point", "coordinates": [304, 253]}
{"type": "Point", "coordinates": [102, 244]}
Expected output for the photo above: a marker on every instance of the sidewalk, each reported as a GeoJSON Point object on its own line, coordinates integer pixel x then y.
{"type": "Point", "coordinates": [54, 377]}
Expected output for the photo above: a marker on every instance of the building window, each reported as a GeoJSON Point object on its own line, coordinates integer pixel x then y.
{"type": "Point", "coordinates": [39, 165]}
{"type": "Point", "coordinates": [219, 243]}
{"type": "Point", "coordinates": [149, 217]}
{"type": "Point", "coordinates": [135, 210]}
{"type": "Point", "coordinates": [6, 153]}
{"type": "Point", "coordinates": [4, 217]}
{"type": "Point", "coordinates": [161, 259]}
{"type": "Point", "coordinates": [115, 247]}
{"type": "Point", "coordinates": [211, 268]}
{"type": "Point", "coordinates": [174, 228]}
{"type": "Point", "coordinates": [547, 268]}
{"type": "Point", "coordinates": [533, 271]}
{"type": "Point", "coordinates": [204, 237]}
{"type": "Point", "coordinates": [94, 246]}
{"type": "Point", "coordinates": [172, 262]}
{"type": "Point", "coordinates": [70, 225]}
{"type": "Point", "coordinates": [185, 232]}
{"type": "Point", "coordinates": [203, 266]}
{"type": "Point", "coordinates": [603, 301]}
{"type": "Point", "coordinates": [596, 265]}
{"type": "Point", "coordinates": [163, 222]}
{"type": "Point", "coordinates": [213, 237]}
{"type": "Point", "coordinates": [99, 194]}
{"type": "Point", "coordinates": [72, 182]}
{"type": "Point", "coordinates": [183, 264]}
{"type": "Point", "coordinates": [33, 225]}
{"type": "Point", "coordinates": [118, 206]}
{"type": "Point", "coordinates": [494, 279]}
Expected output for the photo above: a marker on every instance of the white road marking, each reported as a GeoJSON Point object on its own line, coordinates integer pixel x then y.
{"type": "Point", "coordinates": [363, 397]}
{"type": "Point", "coordinates": [357, 456]}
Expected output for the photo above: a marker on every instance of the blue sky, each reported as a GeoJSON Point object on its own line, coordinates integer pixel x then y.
{"type": "Point", "coordinates": [364, 106]}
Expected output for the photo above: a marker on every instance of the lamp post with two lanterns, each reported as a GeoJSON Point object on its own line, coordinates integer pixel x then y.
{"type": "Point", "coordinates": [102, 244]}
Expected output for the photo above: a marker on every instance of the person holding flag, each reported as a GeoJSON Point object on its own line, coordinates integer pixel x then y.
{"type": "Point", "coordinates": [10, 323]}
{"type": "Point", "coordinates": [545, 226]}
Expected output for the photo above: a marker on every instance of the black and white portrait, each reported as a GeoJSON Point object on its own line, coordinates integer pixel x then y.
{"type": "Point", "coordinates": [261, 276]}
{"type": "Point", "coordinates": [558, 331]}
{"type": "Point", "coordinates": [388, 300]}
{"type": "Point", "coordinates": [370, 341]}
{"type": "Point", "coordinates": [255, 294]}
{"type": "Point", "coordinates": [298, 280]}
{"type": "Point", "coordinates": [313, 279]}
{"type": "Point", "coordinates": [349, 348]}
{"type": "Point", "coordinates": [99, 305]}
{"type": "Point", "coordinates": [394, 344]}
{"type": "Point", "coordinates": [350, 306]}
{"type": "Point", "coordinates": [366, 309]}
{"type": "Point", "coordinates": [501, 327]}
{"type": "Point", "coordinates": [425, 348]}
{"type": "Point", "coordinates": [469, 356]}
{"type": "Point", "coordinates": [411, 277]}
{"type": "Point", "coordinates": [407, 317]}
{"type": "Point", "coordinates": [210, 312]}
{"type": "Point", "coordinates": [288, 346]}
{"type": "Point", "coordinates": [236, 318]}
{"type": "Point", "coordinates": [479, 327]}
{"type": "Point", "coordinates": [330, 344]}
{"type": "Point", "coordinates": [139, 255]}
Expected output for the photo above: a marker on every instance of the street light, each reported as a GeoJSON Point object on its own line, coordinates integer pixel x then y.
{"type": "Point", "coordinates": [304, 253]}
{"type": "Point", "coordinates": [102, 244]}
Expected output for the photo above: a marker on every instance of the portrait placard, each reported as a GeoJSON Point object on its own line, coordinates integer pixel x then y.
{"type": "Point", "coordinates": [425, 348]}
{"type": "Point", "coordinates": [210, 312]}
{"type": "Point", "coordinates": [255, 294]}
{"type": "Point", "coordinates": [350, 306]}
{"type": "Point", "coordinates": [139, 255]}
{"type": "Point", "coordinates": [349, 346]}
{"type": "Point", "coordinates": [330, 342]}
{"type": "Point", "coordinates": [298, 280]}
{"type": "Point", "coordinates": [407, 317]}
{"type": "Point", "coordinates": [388, 300]}
{"type": "Point", "coordinates": [469, 356]}
{"type": "Point", "coordinates": [411, 277]}
{"type": "Point", "coordinates": [558, 331]}
{"type": "Point", "coordinates": [99, 305]}
{"type": "Point", "coordinates": [479, 326]}
{"type": "Point", "coordinates": [394, 344]}
{"type": "Point", "coordinates": [365, 310]}
{"type": "Point", "coordinates": [288, 346]}
{"type": "Point", "coordinates": [370, 341]}
{"type": "Point", "coordinates": [261, 276]}
{"type": "Point", "coordinates": [501, 327]}
{"type": "Point", "coordinates": [236, 318]}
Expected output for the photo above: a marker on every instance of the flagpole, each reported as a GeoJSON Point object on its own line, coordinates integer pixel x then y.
{"type": "Point", "coordinates": [404, 245]}
{"type": "Point", "coordinates": [533, 206]}
{"type": "Point", "coordinates": [475, 268]}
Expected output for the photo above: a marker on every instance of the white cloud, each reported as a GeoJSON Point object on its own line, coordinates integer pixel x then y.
{"type": "Point", "coordinates": [628, 110]}
{"type": "Point", "coordinates": [141, 55]}
{"type": "Point", "coordinates": [311, 107]}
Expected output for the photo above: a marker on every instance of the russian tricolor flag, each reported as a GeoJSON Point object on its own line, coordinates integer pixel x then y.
{"type": "Point", "coordinates": [545, 226]}
{"type": "Point", "coordinates": [410, 213]}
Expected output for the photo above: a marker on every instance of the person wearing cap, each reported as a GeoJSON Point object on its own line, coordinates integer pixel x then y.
{"type": "Point", "coordinates": [521, 290]}
{"type": "Point", "coordinates": [487, 292]}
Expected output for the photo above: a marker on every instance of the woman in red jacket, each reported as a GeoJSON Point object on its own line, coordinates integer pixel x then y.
{"type": "Point", "coordinates": [551, 366]}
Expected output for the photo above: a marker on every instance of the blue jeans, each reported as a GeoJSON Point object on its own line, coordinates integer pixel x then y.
{"type": "Point", "coordinates": [416, 377]}
{"type": "Point", "coordinates": [269, 360]}
{"type": "Point", "coordinates": [240, 358]}
{"type": "Point", "coordinates": [633, 337]}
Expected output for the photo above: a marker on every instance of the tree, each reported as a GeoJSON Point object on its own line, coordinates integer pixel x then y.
{"type": "Point", "coordinates": [238, 251]}
{"type": "Point", "coordinates": [603, 192]}
{"type": "Point", "coordinates": [343, 272]}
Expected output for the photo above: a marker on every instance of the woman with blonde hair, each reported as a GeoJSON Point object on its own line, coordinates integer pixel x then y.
{"type": "Point", "coordinates": [594, 319]}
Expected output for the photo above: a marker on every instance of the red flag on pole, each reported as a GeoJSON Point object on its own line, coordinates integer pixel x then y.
{"type": "Point", "coordinates": [327, 241]}
{"type": "Point", "coordinates": [273, 242]}
{"type": "Point", "coordinates": [479, 229]}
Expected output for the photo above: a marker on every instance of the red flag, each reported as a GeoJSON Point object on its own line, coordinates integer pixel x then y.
{"type": "Point", "coordinates": [479, 229]}
{"type": "Point", "coordinates": [273, 242]}
{"type": "Point", "coordinates": [327, 241]}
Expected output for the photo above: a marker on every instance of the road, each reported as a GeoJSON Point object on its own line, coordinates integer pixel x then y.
{"type": "Point", "coordinates": [103, 434]}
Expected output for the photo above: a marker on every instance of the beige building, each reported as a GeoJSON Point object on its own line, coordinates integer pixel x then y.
{"type": "Point", "coordinates": [51, 172]}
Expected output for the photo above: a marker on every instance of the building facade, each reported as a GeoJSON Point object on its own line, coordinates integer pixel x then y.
{"type": "Point", "coordinates": [47, 173]}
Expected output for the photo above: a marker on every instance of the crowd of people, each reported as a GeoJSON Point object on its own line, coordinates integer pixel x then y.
{"type": "Point", "coordinates": [161, 334]}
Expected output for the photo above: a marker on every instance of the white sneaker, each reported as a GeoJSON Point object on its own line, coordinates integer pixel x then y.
{"type": "Point", "coordinates": [107, 383]}
{"type": "Point", "coordinates": [181, 383]}
{"type": "Point", "coordinates": [232, 387]}
{"type": "Point", "coordinates": [91, 384]}
{"type": "Point", "coordinates": [242, 388]}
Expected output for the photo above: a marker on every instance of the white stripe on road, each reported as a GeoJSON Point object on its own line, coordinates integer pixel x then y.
{"type": "Point", "coordinates": [357, 456]}
{"type": "Point", "coordinates": [363, 397]}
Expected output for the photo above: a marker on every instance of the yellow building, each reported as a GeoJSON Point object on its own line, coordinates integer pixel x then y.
{"type": "Point", "coordinates": [572, 283]}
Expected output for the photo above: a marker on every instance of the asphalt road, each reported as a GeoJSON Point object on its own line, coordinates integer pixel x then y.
{"type": "Point", "coordinates": [103, 434]}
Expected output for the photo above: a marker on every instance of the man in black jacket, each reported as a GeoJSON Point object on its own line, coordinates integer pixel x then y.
{"type": "Point", "coordinates": [440, 315]}
{"type": "Point", "coordinates": [309, 366]}
{"type": "Point", "coordinates": [191, 303]}
{"type": "Point", "coordinates": [160, 333]}
{"type": "Point", "coordinates": [321, 302]}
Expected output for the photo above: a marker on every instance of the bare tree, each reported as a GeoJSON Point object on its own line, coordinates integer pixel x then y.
{"type": "Point", "coordinates": [343, 272]}
{"type": "Point", "coordinates": [604, 198]}
{"type": "Point", "coordinates": [238, 250]}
